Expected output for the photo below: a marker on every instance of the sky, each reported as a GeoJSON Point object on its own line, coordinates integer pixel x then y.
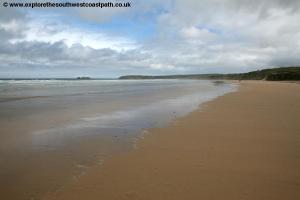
{"type": "Point", "coordinates": [151, 37]}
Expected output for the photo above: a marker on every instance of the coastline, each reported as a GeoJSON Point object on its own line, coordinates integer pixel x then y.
{"type": "Point", "coordinates": [243, 145]}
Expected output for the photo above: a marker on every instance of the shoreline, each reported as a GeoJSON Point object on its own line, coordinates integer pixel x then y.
{"type": "Point", "coordinates": [50, 142]}
{"type": "Point", "coordinates": [243, 145]}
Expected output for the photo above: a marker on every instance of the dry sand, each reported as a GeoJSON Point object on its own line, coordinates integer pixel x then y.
{"type": "Point", "coordinates": [244, 145]}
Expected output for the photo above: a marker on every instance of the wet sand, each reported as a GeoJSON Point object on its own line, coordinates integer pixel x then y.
{"type": "Point", "coordinates": [52, 132]}
{"type": "Point", "coordinates": [243, 145]}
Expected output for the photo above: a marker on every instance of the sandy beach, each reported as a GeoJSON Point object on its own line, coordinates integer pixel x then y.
{"type": "Point", "coordinates": [243, 145]}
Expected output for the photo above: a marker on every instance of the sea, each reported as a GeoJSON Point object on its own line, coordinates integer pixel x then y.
{"type": "Point", "coordinates": [53, 131]}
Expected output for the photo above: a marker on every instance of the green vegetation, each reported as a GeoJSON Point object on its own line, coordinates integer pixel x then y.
{"type": "Point", "coordinates": [274, 74]}
{"type": "Point", "coordinates": [83, 78]}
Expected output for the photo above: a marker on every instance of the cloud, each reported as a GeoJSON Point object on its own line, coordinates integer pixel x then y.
{"type": "Point", "coordinates": [231, 34]}
{"type": "Point", "coordinates": [189, 36]}
{"type": "Point", "coordinates": [138, 10]}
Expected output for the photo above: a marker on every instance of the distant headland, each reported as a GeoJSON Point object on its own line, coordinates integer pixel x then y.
{"type": "Point", "coordinates": [83, 78]}
{"type": "Point", "coordinates": [273, 74]}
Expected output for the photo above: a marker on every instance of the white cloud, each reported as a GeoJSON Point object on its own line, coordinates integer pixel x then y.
{"type": "Point", "coordinates": [194, 33]}
{"type": "Point", "coordinates": [48, 32]}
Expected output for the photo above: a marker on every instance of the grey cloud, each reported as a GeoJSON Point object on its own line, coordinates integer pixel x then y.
{"type": "Point", "coordinates": [12, 23]}
{"type": "Point", "coordinates": [59, 54]}
{"type": "Point", "coordinates": [8, 14]}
